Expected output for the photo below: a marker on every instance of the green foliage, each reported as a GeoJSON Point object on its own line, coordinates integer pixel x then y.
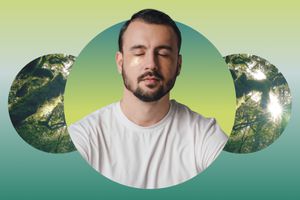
{"type": "Point", "coordinates": [263, 103]}
{"type": "Point", "coordinates": [36, 103]}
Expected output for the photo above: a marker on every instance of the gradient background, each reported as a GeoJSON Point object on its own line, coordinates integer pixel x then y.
{"type": "Point", "coordinates": [30, 29]}
{"type": "Point", "coordinates": [204, 84]}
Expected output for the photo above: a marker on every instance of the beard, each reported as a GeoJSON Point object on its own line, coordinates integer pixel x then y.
{"type": "Point", "coordinates": [145, 95]}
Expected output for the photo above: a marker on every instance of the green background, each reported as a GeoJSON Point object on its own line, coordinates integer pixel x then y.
{"type": "Point", "coordinates": [204, 83]}
{"type": "Point", "coordinates": [269, 29]}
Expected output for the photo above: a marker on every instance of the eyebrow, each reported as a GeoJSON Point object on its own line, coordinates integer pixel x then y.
{"type": "Point", "coordinates": [139, 46]}
{"type": "Point", "coordinates": [164, 47]}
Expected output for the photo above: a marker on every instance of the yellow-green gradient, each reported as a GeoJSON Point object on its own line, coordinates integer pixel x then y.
{"type": "Point", "coordinates": [205, 84]}
{"type": "Point", "coordinates": [32, 28]}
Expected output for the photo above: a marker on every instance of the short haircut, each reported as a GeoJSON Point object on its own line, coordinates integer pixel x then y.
{"type": "Point", "coordinates": [151, 16]}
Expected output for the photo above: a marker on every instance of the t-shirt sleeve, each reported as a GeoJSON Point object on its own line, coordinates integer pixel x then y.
{"type": "Point", "coordinates": [80, 138]}
{"type": "Point", "coordinates": [209, 143]}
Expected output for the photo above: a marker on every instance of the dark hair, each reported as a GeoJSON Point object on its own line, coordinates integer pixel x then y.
{"type": "Point", "coordinates": [151, 16]}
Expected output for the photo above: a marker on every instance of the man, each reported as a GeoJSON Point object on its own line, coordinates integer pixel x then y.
{"type": "Point", "coordinates": [147, 140]}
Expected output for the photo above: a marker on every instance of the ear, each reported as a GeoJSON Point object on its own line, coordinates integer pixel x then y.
{"type": "Point", "coordinates": [179, 63]}
{"type": "Point", "coordinates": [119, 61]}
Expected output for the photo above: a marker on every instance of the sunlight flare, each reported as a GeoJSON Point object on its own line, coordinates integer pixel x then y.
{"type": "Point", "coordinates": [258, 75]}
{"type": "Point", "coordinates": [274, 107]}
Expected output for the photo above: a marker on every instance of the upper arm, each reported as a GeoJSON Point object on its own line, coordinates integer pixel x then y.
{"type": "Point", "coordinates": [210, 141]}
{"type": "Point", "coordinates": [80, 139]}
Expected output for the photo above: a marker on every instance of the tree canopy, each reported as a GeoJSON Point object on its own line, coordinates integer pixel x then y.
{"type": "Point", "coordinates": [36, 103]}
{"type": "Point", "coordinates": [263, 105]}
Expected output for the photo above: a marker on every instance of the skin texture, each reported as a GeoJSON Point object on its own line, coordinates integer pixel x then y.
{"type": "Point", "coordinates": [149, 64]}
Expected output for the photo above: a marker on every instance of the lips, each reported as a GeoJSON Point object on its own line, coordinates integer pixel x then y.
{"type": "Point", "coordinates": [151, 78]}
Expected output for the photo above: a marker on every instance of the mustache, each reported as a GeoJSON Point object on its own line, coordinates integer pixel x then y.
{"type": "Point", "coordinates": [150, 73]}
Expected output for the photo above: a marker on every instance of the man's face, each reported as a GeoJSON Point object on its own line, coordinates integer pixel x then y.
{"type": "Point", "coordinates": [149, 62]}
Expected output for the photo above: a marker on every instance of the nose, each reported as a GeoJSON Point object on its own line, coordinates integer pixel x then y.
{"type": "Point", "coordinates": [151, 62]}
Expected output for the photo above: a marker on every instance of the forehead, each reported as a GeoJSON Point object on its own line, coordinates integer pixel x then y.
{"type": "Point", "coordinates": [149, 35]}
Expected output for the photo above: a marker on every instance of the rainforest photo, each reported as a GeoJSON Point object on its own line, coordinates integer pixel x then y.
{"type": "Point", "coordinates": [36, 106]}
{"type": "Point", "coordinates": [263, 105]}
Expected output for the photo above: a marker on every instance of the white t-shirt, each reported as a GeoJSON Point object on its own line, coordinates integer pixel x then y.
{"type": "Point", "coordinates": [169, 152]}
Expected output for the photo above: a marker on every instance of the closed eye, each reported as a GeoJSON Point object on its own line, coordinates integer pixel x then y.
{"type": "Point", "coordinates": [139, 54]}
{"type": "Point", "coordinates": [163, 54]}
{"type": "Point", "coordinates": [138, 50]}
{"type": "Point", "coordinates": [164, 50]}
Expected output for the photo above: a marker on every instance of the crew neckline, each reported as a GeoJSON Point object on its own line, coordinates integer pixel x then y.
{"type": "Point", "coordinates": [128, 123]}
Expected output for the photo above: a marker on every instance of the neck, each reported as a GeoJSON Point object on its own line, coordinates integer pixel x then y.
{"type": "Point", "coordinates": [144, 113]}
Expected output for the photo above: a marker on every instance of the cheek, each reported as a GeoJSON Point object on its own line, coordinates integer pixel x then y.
{"type": "Point", "coordinates": [133, 67]}
{"type": "Point", "coordinates": [131, 70]}
{"type": "Point", "coordinates": [133, 63]}
{"type": "Point", "coordinates": [170, 68]}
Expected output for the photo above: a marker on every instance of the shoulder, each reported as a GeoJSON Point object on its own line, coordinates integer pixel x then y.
{"type": "Point", "coordinates": [201, 125]}
{"type": "Point", "coordinates": [208, 137]}
{"type": "Point", "coordinates": [185, 113]}
{"type": "Point", "coordinates": [93, 120]}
